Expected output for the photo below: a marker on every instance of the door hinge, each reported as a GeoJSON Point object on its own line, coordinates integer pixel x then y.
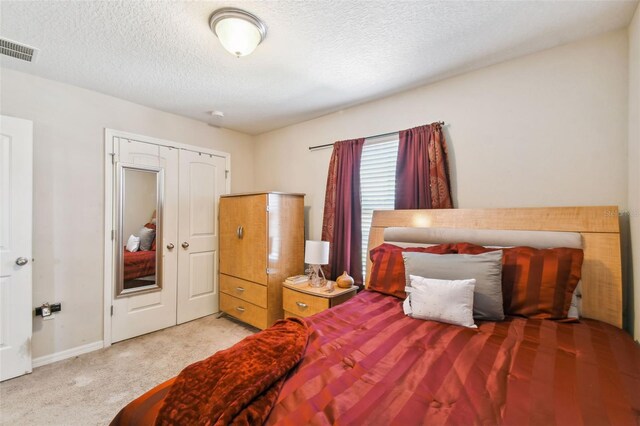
{"type": "Point", "coordinates": [113, 234]}
{"type": "Point", "coordinates": [269, 271]}
{"type": "Point", "coordinates": [226, 174]}
{"type": "Point", "coordinates": [267, 208]}
{"type": "Point", "coordinates": [113, 157]}
{"type": "Point", "coordinates": [111, 310]}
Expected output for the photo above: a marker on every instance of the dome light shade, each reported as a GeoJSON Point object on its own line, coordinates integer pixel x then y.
{"type": "Point", "coordinates": [239, 31]}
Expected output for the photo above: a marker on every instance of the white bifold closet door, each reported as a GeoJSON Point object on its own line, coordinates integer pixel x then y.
{"type": "Point", "coordinates": [202, 181]}
{"type": "Point", "coordinates": [137, 314]}
{"type": "Point", "coordinates": [193, 183]}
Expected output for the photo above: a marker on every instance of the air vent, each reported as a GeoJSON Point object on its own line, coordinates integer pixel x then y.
{"type": "Point", "coordinates": [18, 51]}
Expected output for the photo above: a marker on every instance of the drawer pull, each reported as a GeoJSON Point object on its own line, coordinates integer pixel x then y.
{"type": "Point", "coordinates": [239, 309]}
{"type": "Point", "coordinates": [302, 305]}
{"type": "Point", "coordinates": [240, 289]}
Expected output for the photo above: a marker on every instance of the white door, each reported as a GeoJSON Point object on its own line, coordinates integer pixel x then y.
{"type": "Point", "coordinates": [202, 181]}
{"type": "Point", "coordinates": [136, 314]}
{"type": "Point", "coordinates": [16, 164]}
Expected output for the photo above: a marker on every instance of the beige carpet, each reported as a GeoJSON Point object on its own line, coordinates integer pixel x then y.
{"type": "Point", "coordinates": [90, 389]}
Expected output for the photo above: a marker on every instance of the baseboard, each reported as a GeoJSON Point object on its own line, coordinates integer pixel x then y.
{"type": "Point", "coordinates": [69, 353]}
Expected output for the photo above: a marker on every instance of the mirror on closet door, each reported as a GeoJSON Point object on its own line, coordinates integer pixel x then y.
{"type": "Point", "coordinates": [139, 234]}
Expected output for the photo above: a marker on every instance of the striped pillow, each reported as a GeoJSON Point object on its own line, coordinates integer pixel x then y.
{"type": "Point", "coordinates": [387, 269]}
{"type": "Point", "coordinates": [536, 283]}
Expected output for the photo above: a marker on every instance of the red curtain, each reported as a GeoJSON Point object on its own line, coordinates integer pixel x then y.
{"type": "Point", "coordinates": [422, 171]}
{"type": "Point", "coordinates": [342, 222]}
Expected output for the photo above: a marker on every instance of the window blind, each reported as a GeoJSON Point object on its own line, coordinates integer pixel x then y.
{"type": "Point", "coordinates": [377, 183]}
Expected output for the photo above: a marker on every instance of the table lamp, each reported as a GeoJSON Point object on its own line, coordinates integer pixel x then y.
{"type": "Point", "coordinates": [316, 253]}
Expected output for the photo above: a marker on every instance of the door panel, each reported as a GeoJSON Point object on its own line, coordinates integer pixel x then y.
{"type": "Point", "coordinates": [202, 181]}
{"type": "Point", "coordinates": [145, 301]}
{"type": "Point", "coordinates": [243, 235]}
{"type": "Point", "coordinates": [135, 152]}
{"type": "Point", "coordinates": [16, 164]}
{"type": "Point", "coordinates": [137, 314]}
{"type": "Point", "coordinates": [202, 267]}
{"type": "Point", "coordinates": [202, 184]}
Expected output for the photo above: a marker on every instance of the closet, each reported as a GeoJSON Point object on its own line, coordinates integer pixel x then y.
{"type": "Point", "coordinates": [261, 244]}
{"type": "Point", "coordinates": [172, 190]}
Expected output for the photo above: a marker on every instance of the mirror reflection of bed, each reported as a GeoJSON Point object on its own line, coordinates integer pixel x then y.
{"type": "Point", "coordinates": [140, 265]}
{"type": "Point", "coordinates": [139, 229]}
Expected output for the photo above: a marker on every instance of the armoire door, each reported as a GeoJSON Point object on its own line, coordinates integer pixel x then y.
{"type": "Point", "coordinates": [243, 235]}
{"type": "Point", "coordinates": [202, 181]}
{"type": "Point", "coordinates": [140, 313]}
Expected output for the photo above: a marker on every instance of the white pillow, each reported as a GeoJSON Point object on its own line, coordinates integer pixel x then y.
{"type": "Point", "coordinates": [133, 243]}
{"type": "Point", "coordinates": [449, 301]}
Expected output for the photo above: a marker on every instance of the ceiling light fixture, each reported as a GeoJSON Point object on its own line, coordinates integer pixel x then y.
{"type": "Point", "coordinates": [240, 32]}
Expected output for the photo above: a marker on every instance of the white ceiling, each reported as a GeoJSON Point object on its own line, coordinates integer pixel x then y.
{"type": "Point", "coordinates": [318, 57]}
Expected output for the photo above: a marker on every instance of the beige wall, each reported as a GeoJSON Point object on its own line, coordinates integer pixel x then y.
{"type": "Point", "coordinates": [634, 166]}
{"type": "Point", "coordinates": [68, 164]}
{"type": "Point", "coordinates": [549, 129]}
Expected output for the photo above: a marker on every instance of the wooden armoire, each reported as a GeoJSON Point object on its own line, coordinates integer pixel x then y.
{"type": "Point", "coordinates": [261, 244]}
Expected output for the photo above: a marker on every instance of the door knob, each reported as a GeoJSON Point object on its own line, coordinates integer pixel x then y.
{"type": "Point", "coordinates": [21, 261]}
{"type": "Point", "coordinates": [185, 245]}
{"type": "Point", "coordinates": [170, 246]}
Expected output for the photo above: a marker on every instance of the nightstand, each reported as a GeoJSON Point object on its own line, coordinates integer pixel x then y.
{"type": "Point", "coordinates": [303, 300]}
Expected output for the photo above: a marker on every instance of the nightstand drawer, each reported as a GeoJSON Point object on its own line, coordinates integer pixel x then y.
{"type": "Point", "coordinates": [291, 315]}
{"type": "Point", "coordinates": [303, 304]}
{"type": "Point", "coordinates": [245, 290]}
{"type": "Point", "coordinates": [244, 311]}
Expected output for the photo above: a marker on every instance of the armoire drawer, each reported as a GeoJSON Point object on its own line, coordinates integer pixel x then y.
{"type": "Point", "coordinates": [245, 290]}
{"type": "Point", "coordinates": [302, 304]}
{"type": "Point", "coordinates": [244, 311]}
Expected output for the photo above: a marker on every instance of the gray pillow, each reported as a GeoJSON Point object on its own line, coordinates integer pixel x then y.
{"type": "Point", "coordinates": [485, 268]}
{"type": "Point", "coordinates": [146, 238]}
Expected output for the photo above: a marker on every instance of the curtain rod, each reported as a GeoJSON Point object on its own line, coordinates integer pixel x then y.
{"type": "Point", "coordinates": [327, 145]}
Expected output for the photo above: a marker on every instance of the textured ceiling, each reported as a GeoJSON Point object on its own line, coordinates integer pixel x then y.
{"type": "Point", "coordinates": [319, 56]}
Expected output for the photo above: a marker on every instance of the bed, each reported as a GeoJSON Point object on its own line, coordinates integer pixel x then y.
{"type": "Point", "coordinates": [139, 264]}
{"type": "Point", "coordinates": [366, 362]}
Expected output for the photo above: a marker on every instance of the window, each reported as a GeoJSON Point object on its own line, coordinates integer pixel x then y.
{"type": "Point", "coordinates": [377, 182]}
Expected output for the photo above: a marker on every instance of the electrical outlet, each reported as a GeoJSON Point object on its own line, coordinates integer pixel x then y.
{"type": "Point", "coordinates": [46, 311]}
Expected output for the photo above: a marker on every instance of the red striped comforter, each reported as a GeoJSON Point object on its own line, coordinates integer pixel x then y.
{"type": "Point", "coordinates": [139, 264]}
{"type": "Point", "coordinates": [367, 363]}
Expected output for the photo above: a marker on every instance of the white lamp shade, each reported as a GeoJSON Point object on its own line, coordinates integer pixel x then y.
{"type": "Point", "coordinates": [316, 252]}
{"type": "Point", "coordinates": [238, 36]}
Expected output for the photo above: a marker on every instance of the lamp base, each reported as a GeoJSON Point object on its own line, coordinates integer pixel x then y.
{"type": "Point", "coordinates": [316, 280]}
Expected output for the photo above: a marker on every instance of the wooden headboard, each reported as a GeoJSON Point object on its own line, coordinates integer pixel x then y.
{"type": "Point", "coordinates": [599, 227]}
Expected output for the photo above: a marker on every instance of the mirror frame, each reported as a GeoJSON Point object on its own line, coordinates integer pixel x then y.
{"type": "Point", "coordinates": [121, 169]}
